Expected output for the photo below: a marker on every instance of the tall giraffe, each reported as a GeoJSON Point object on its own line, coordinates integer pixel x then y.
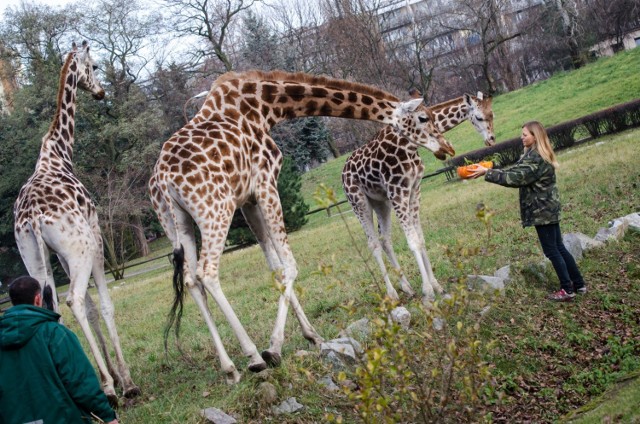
{"type": "Point", "coordinates": [54, 212]}
{"type": "Point", "coordinates": [385, 174]}
{"type": "Point", "coordinates": [224, 158]}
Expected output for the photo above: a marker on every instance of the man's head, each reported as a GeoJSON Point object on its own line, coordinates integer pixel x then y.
{"type": "Point", "coordinates": [25, 290]}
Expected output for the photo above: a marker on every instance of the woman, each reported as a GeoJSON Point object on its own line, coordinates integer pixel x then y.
{"type": "Point", "coordinates": [534, 174]}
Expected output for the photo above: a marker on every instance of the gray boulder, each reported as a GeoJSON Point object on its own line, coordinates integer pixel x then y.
{"type": "Point", "coordinates": [216, 416]}
{"type": "Point", "coordinates": [289, 406]}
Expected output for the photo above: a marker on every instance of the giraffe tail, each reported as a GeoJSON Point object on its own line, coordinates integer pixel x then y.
{"type": "Point", "coordinates": [175, 315]}
{"type": "Point", "coordinates": [47, 297]}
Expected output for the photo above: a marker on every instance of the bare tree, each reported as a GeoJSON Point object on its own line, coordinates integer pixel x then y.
{"type": "Point", "coordinates": [211, 21]}
{"type": "Point", "coordinates": [612, 18]}
{"type": "Point", "coordinates": [479, 30]}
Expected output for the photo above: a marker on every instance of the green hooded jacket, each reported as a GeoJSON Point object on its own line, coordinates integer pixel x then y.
{"type": "Point", "coordinates": [536, 179]}
{"type": "Point", "coordinates": [45, 376]}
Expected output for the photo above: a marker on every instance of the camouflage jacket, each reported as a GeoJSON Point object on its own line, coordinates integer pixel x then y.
{"type": "Point", "coordinates": [536, 179]}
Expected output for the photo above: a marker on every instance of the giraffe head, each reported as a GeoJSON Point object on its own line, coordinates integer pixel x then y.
{"type": "Point", "coordinates": [416, 123]}
{"type": "Point", "coordinates": [86, 76]}
{"type": "Point", "coordinates": [481, 115]}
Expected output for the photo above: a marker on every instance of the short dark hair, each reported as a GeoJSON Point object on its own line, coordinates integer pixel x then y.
{"type": "Point", "coordinates": [23, 290]}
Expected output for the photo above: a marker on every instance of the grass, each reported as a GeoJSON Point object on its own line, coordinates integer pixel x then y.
{"type": "Point", "coordinates": [550, 359]}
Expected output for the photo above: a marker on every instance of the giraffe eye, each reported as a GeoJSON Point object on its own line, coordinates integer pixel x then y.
{"type": "Point", "coordinates": [423, 119]}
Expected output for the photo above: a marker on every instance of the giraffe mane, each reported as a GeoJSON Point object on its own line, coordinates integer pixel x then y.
{"type": "Point", "coordinates": [445, 103]}
{"type": "Point", "coordinates": [61, 83]}
{"type": "Point", "coordinates": [301, 77]}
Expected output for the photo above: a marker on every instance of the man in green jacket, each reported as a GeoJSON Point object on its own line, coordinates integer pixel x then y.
{"type": "Point", "coordinates": [45, 376]}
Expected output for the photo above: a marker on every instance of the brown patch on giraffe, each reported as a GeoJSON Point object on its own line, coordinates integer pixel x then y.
{"type": "Point", "coordinates": [249, 88]}
{"type": "Point", "coordinates": [296, 92]}
{"type": "Point", "coordinates": [269, 92]}
{"type": "Point", "coordinates": [311, 107]}
{"type": "Point", "coordinates": [348, 112]}
{"type": "Point", "coordinates": [319, 92]}
{"type": "Point", "coordinates": [232, 114]}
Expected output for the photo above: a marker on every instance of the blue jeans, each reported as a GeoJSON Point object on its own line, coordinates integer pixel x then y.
{"type": "Point", "coordinates": [562, 261]}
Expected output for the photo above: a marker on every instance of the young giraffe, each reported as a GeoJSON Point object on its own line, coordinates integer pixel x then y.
{"type": "Point", "coordinates": [54, 212]}
{"type": "Point", "coordinates": [385, 174]}
{"type": "Point", "coordinates": [224, 158]}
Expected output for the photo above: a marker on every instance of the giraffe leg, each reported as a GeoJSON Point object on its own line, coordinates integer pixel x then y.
{"type": "Point", "coordinates": [269, 205]}
{"type": "Point", "coordinates": [108, 315]}
{"type": "Point", "coordinates": [94, 321]}
{"type": "Point", "coordinates": [256, 222]}
{"type": "Point", "coordinates": [185, 237]}
{"type": "Point", "coordinates": [409, 217]}
{"type": "Point", "coordinates": [362, 207]}
{"type": "Point", "coordinates": [383, 212]}
{"type": "Point", "coordinates": [35, 256]}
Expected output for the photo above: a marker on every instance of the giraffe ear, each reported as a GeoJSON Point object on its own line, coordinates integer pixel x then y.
{"type": "Point", "coordinates": [468, 99]}
{"type": "Point", "coordinates": [480, 95]}
{"type": "Point", "coordinates": [411, 105]}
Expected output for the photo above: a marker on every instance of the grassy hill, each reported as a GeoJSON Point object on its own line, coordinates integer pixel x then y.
{"type": "Point", "coordinates": [547, 359]}
{"type": "Point", "coordinates": [565, 96]}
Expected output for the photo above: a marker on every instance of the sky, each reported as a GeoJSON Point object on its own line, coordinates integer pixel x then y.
{"type": "Point", "coordinates": [16, 3]}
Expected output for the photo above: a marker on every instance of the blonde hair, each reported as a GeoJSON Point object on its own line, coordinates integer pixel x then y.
{"type": "Point", "coordinates": [542, 142]}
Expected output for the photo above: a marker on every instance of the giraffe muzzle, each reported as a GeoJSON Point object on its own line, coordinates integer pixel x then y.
{"type": "Point", "coordinates": [99, 95]}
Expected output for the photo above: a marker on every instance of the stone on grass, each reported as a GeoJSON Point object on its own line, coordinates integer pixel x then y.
{"type": "Point", "coordinates": [616, 230]}
{"type": "Point", "coordinates": [634, 221]}
{"type": "Point", "coordinates": [504, 273]}
{"type": "Point", "coordinates": [327, 383]}
{"type": "Point", "coordinates": [289, 406]}
{"type": "Point", "coordinates": [438, 324]}
{"type": "Point", "coordinates": [485, 282]}
{"type": "Point", "coordinates": [341, 351]}
{"type": "Point", "coordinates": [401, 316]}
{"type": "Point", "coordinates": [216, 416]}
{"type": "Point", "coordinates": [577, 243]}
{"type": "Point", "coordinates": [359, 330]}
{"type": "Point", "coordinates": [267, 393]}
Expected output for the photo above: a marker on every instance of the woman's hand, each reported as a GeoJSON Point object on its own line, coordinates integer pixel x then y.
{"type": "Point", "coordinates": [478, 171]}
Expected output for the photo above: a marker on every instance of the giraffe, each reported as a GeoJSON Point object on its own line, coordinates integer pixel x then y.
{"type": "Point", "coordinates": [224, 158]}
{"type": "Point", "coordinates": [54, 212]}
{"type": "Point", "coordinates": [385, 174]}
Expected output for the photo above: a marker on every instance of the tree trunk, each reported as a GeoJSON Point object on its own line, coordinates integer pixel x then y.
{"type": "Point", "coordinates": [140, 239]}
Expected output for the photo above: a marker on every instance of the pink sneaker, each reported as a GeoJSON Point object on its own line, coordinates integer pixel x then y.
{"type": "Point", "coordinates": [561, 296]}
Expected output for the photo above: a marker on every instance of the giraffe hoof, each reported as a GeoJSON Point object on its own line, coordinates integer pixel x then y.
{"type": "Point", "coordinates": [232, 377]}
{"type": "Point", "coordinates": [260, 366]}
{"type": "Point", "coordinates": [272, 359]}
{"type": "Point", "coordinates": [113, 399]}
{"type": "Point", "coordinates": [132, 392]}
{"type": "Point", "coordinates": [315, 339]}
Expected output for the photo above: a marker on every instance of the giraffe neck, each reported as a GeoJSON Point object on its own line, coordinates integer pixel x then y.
{"type": "Point", "coordinates": [449, 114]}
{"type": "Point", "coordinates": [57, 144]}
{"type": "Point", "coordinates": [276, 96]}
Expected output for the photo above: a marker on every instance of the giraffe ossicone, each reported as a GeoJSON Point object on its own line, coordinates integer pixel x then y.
{"type": "Point", "coordinates": [224, 159]}
{"type": "Point", "coordinates": [54, 213]}
{"type": "Point", "coordinates": [385, 175]}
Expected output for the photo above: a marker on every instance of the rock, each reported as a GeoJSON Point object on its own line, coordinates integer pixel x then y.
{"type": "Point", "coordinates": [359, 330]}
{"type": "Point", "coordinates": [617, 229]}
{"type": "Point", "coordinates": [267, 393]}
{"type": "Point", "coordinates": [344, 349]}
{"type": "Point", "coordinates": [438, 324]}
{"type": "Point", "coordinates": [504, 273]}
{"type": "Point", "coordinates": [402, 316]}
{"type": "Point", "coordinates": [485, 282]}
{"type": "Point", "coordinates": [216, 416]}
{"type": "Point", "coordinates": [289, 406]}
{"type": "Point", "coordinates": [484, 310]}
{"type": "Point", "coordinates": [327, 383]}
{"type": "Point", "coordinates": [634, 221]}
{"type": "Point", "coordinates": [265, 374]}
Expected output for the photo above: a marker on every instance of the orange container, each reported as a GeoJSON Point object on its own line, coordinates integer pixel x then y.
{"type": "Point", "coordinates": [466, 171]}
